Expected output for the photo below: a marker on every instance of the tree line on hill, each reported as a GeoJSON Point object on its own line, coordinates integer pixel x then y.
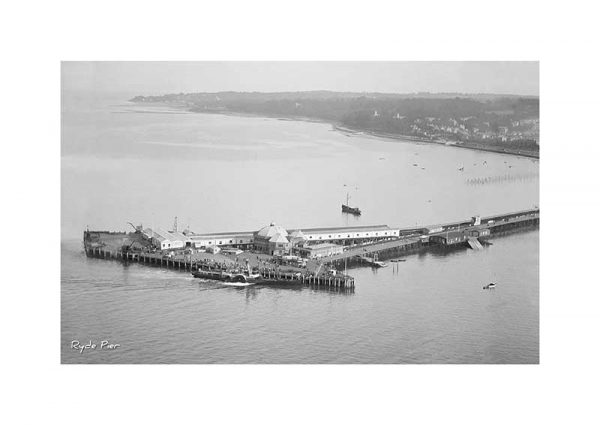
{"type": "Point", "coordinates": [421, 114]}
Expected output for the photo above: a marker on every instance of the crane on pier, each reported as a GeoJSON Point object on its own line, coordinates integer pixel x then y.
{"type": "Point", "coordinates": [136, 228]}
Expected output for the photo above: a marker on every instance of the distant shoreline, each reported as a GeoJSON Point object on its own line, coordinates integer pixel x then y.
{"type": "Point", "coordinates": [416, 139]}
{"type": "Point", "coordinates": [354, 131]}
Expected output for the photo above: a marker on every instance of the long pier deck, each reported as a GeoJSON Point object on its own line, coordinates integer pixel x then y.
{"type": "Point", "coordinates": [413, 240]}
{"type": "Point", "coordinates": [465, 233]}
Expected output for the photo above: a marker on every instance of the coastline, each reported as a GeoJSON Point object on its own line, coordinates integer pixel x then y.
{"type": "Point", "coordinates": [415, 139]}
{"type": "Point", "coordinates": [336, 126]}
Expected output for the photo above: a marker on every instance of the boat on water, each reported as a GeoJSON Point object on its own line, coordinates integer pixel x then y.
{"type": "Point", "coordinates": [244, 279]}
{"type": "Point", "coordinates": [490, 286]}
{"type": "Point", "coordinates": [351, 210]}
{"type": "Point", "coordinates": [398, 260]}
{"type": "Point", "coordinates": [346, 208]}
{"type": "Point", "coordinates": [241, 278]}
{"type": "Point", "coordinates": [379, 264]}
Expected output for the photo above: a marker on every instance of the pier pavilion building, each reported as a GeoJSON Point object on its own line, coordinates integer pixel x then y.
{"type": "Point", "coordinates": [242, 240]}
{"type": "Point", "coordinates": [273, 240]}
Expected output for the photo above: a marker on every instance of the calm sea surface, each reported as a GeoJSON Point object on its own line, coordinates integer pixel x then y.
{"type": "Point", "coordinates": [122, 162]}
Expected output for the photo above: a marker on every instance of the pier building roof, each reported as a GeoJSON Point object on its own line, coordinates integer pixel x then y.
{"type": "Point", "coordinates": [152, 233]}
{"type": "Point", "coordinates": [375, 228]}
{"type": "Point", "coordinates": [279, 238]}
{"type": "Point", "coordinates": [297, 234]}
{"type": "Point", "coordinates": [162, 235]}
{"type": "Point", "coordinates": [216, 235]}
{"type": "Point", "coordinates": [272, 230]}
{"type": "Point", "coordinates": [319, 246]}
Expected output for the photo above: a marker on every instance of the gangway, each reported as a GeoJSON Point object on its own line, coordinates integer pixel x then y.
{"type": "Point", "coordinates": [474, 243]}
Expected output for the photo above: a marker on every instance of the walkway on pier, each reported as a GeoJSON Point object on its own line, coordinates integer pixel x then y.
{"type": "Point", "coordinates": [412, 242]}
{"type": "Point", "coordinates": [373, 248]}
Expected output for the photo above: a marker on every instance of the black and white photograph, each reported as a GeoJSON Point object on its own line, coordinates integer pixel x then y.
{"type": "Point", "coordinates": [256, 218]}
{"type": "Point", "coordinates": [317, 212]}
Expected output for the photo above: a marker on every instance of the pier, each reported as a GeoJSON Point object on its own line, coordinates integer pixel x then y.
{"type": "Point", "coordinates": [187, 263]}
{"type": "Point", "coordinates": [463, 234]}
{"type": "Point", "coordinates": [357, 245]}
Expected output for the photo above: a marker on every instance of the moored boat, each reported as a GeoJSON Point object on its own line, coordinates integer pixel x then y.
{"type": "Point", "coordinates": [245, 278]}
{"type": "Point", "coordinates": [348, 209]}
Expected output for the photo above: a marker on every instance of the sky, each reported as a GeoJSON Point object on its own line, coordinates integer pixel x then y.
{"type": "Point", "coordinates": [152, 78]}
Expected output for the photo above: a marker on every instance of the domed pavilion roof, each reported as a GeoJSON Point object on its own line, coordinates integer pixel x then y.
{"type": "Point", "coordinates": [272, 230]}
{"type": "Point", "coordinates": [279, 239]}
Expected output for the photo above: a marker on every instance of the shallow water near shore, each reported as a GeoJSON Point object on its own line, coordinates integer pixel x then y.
{"type": "Point", "coordinates": [228, 173]}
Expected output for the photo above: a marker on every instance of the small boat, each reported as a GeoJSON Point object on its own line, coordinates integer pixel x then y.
{"type": "Point", "coordinates": [379, 264]}
{"type": "Point", "coordinates": [398, 260]}
{"type": "Point", "coordinates": [346, 208]}
{"type": "Point", "coordinates": [415, 165]}
{"type": "Point", "coordinates": [461, 169]}
{"type": "Point", "coordinates": [490, 286]}
{"type": "Point", "coordinates": [351, 210]}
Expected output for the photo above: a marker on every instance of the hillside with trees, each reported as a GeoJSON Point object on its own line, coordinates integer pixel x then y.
{"type": "Point", "coordinates": [501, 121]}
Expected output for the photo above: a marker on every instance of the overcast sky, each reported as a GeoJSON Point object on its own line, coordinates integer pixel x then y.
{"type": "Point", "coordinates": [147, 78]}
